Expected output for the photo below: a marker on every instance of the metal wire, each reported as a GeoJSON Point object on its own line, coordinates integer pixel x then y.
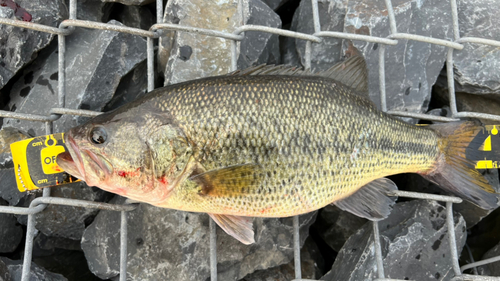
{"type": "Point", "coordinates": [67, 27]}
{"type": "Point", "coordinates": [474, 269]}
{"type": "Point", "coordinates": [467, 277]}
{"type": "Point", "coordinates": [479, 263]}
{"type": "Point", "coordinates": [296, 247]}
{"type": "Point", "coordinates": [123, 246]}
{"type": "Point", "coordinates": [378, 250]}
{"type": "Point", "coordinates": [213, 249]}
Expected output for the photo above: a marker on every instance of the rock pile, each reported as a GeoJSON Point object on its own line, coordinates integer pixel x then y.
{"type": "Point", "coordinates": [106, 69]}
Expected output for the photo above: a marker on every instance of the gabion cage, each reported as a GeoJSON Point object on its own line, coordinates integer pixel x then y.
{"type": "Point", "coordinates": [67, 26]}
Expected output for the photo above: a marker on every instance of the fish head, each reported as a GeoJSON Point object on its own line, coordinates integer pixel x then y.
{"type": "Point", "coordinates": [136, 156]}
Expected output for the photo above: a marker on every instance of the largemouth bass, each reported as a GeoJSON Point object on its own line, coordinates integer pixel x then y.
{"type": "Point", "coordinates": [268, 142]}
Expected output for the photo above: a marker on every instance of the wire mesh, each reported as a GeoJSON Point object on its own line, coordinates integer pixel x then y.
{"type": "Point", "coordinates": [67, 27]}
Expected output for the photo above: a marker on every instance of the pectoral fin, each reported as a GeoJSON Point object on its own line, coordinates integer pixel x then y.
{"type": "Point", "coordinates": [370, 201]}
{"type": "Point", "coordinates": [232, 180]}
{"type": "Point", "coordinates": [240, 228]}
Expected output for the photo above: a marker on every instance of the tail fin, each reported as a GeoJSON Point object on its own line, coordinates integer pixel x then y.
{"type": "Point", "coordinates": [454, 172]}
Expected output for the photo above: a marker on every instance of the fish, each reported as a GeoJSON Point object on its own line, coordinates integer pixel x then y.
{"type": "Point", "coordinates": [269, 141]}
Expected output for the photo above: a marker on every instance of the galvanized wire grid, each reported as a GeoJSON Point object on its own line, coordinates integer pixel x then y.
{"type": "Point", "coordinates": [67, 27]}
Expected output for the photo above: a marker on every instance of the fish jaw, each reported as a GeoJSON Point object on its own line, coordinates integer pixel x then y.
{"type": "Point", "coordinates": [95, 170]}
{"type": "Point", "coordinates": [99, 164]}
{"type": "Point", "coordinates": [75, 160]}
{"type": "Point", "coordinates": [66, 160]}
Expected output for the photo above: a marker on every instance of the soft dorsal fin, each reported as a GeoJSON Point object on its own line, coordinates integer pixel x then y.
{"type": "Point", "coordinates": [370, 201]}
{"type": "Point", "coordinates": [351, 72]}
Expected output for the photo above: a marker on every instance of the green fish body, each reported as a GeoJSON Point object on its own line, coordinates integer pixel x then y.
{"type": "Point", "coordinates": [267, 143]}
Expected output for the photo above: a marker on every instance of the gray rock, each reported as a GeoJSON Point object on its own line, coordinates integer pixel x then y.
{"type": "Point", "coordinates": [274, 246]}
{"type": "Point", "coordinates": [185, 56]}
{"type": "Point", "coordinates": [282, 272]}
{"type": "Point", "coordinates": [131, 87]}
{"type": "Point", "coordinates": [8, 187]}
{"type": "Point", "coordinates": [37, 273]}
{"type": "Point", "coordinates": [96, 61]}
{"type": "Point", "coordinates": [93, 10]}
{"type": "Point", "coordinates": [473, 103]}
{"type": "Point", "coordinates": [485, 103]}
{"type": "Point", "coordinates": [275, 4]}
{"type": "Point", "coordinates": [11, 233]}
{"type": "Point", "coordinates": [470, 212]}
{"type": "Point", "coordinates": [63, 256]}
{"type": "Point", "coordinates": [289, 55]}
{"type": "Point", "coordinates": [308, 267]}
{"type": "Point", "coordinates": [411, 67]}
{"type": "Point", "coordinates": [259, 47]}
{"type": "Point", "coordinates": [476, 66]}
{"type": "Point", "coordinates": [45, 245]}
{"type": "Point", "coordinates": [491, 269]}
{"type": "Point", "coordinates": [66, 221]}
{"type": "Point", "coordinates": [329, 51]}
{"type": "Point", "coordinates": [444, 111]}
{"type": "Point", "coordinates": [130, 2]}
{"type": "Point", "coordinates": [336, 226]}
{"type": "Point", "coordinates": [134, 16]}
{"type": "Point", "coordinates": [19, 46]}
{"type": "Point", "coordinates": [4, 272]}
{"type": "Point", "coordinates": [414, 242]}
{"type": "Point", "coordinates": [166, 244]}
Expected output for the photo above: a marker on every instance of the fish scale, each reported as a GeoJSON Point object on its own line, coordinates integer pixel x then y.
{"type": "Point", "coordinates": [320, 142]}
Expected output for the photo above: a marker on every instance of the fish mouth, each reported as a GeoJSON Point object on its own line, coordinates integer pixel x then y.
{"type": "Point", "coordinates": [66, 160]}
{"type": "Point", "coordinates": [74, 161]}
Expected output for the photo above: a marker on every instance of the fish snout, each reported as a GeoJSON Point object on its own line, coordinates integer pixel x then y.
{"type": "Point", "coordinates": [71, 161]}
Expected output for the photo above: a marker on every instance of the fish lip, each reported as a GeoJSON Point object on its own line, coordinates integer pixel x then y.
{"type": "Point", "coordinates": [66, 162]}
{"type": "Point", "coordinates": [67, 159]}
{"type": "Point", "coordinates": [75, 151]}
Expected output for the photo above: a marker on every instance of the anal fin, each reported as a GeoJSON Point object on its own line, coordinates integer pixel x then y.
{"type": "Point", "coordinates": [240, 228]}
{"type": "Point", "coordinates": [370, 201]}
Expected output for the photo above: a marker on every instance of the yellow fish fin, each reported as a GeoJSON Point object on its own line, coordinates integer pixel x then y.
{"type": "Point", "coordinates": [454, 172]}
{"type": "Point", "coordinates": [231, 180]}
{"type": "Point", "coordinates": [240, 228]}
{"type": "Point", "coordinates": [371, 201]}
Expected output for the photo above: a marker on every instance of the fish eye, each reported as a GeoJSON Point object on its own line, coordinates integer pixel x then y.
{"type": "Point", "coordinates": [98, 135]}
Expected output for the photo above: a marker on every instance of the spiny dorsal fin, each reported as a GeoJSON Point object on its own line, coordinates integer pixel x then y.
{"type": "Point", "coordinates": [272, 69]}
{"type": "Point", "coordinates": [351, 72]}
{"type": "Point", "coordinates": [370, 201]}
